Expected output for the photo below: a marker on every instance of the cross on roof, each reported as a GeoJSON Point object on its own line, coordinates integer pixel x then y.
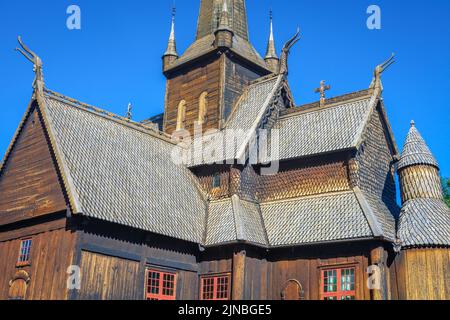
{"type": "Point", "coordinates": [322, 89]}
{"type": "Point", "coordinates": [129, 111]}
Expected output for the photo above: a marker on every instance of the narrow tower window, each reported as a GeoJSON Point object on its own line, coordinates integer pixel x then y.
{"type": "Point", "coordinates": [203, 108]}
{"type": "Point", "coordinates": [216, 180]}
{"type": "Point", "coordinates": [181, 115]}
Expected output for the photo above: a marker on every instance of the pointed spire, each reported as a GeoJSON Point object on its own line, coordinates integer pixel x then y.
{"type": "Point", "coordinates": [172, 46]}
{"type": "Point", "coordinates": [224, 18]}
{"type": "Point", "coordinates": [210, 17]}
{"type": "Point", "coordinates": [271, 52]}
{"type": "Point", "coordinates": [416, 151]}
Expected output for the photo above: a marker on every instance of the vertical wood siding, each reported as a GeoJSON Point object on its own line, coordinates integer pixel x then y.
{"type": "Point", "coordinates": [29, 184]}
{"type": "Point", "coordinates": [51, 255]}
{"type": "Point", "coordinates": [423, 274]}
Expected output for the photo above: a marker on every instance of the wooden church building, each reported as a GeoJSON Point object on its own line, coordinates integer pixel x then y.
{"type": "Point", "coordinates": [93, 205]}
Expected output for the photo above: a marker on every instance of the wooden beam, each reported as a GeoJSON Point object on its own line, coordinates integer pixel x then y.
{"type": "Point", "coordinates": [238, 278]}
{"type": "Point", "coordinates": [378, 257]}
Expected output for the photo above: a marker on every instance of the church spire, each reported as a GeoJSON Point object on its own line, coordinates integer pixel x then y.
{"type": "Point", "coordinates": [171, 53]}
{"type": "Point", "coordinates": [172, 46]}
{"type": "Point", "coordinates": [224, 18]}
{"type": "Point", "coordinates": [271, 57]}
{"type": "Point", "coordinates": [224, 33]}
{"type": "Point", "coordinates": [210, 18]}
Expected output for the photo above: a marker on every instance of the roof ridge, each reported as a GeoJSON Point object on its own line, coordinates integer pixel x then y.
{"type": "Point", "coordinates": [333, 106]}
{"type": "Point", "coordinates": [331, 102]}
{"type": "Point", "coordinates": [107, 115]}
{"type": "Point", "coordinates": [309, 197]}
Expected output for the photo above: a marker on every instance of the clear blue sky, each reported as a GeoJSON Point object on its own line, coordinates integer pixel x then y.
{"type": "Point", "coordinates": [116, 57]}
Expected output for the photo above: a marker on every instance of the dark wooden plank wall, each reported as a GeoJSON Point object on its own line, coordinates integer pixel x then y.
{"type": "Point", "coordinates": [266, 279]}
{"type": "Point", "coordinates": [51, 254]}
{"type": "Point", "coordinates": [29, 184]}
{"type": "Point", "coordinates": [188, 85]}
{"type": "Point", "coordinates": [131, 252]}
{"type": "Point", "coordinates": [237, 78]}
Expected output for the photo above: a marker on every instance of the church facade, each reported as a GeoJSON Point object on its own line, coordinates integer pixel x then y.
{"type": "Point", "coordinates": [98, 206]}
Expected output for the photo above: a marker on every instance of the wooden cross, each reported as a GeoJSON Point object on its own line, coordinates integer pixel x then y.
{"type": "Point", "coordinates": [323, 88]}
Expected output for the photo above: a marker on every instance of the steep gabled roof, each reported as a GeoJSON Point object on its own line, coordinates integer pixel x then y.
{"type": "Point", "coordinates": [122, 172]}
{"type": "Point", "coordinates": [244, 119]}
{"type": "Point", "coordinates": [323, 130]}
{"type": "Point", "coordinates": [233, 219]}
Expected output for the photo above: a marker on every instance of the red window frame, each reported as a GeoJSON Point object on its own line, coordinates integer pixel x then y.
{"type": "Point", "coordinates": [215, 287]}
{"type": "Point", "coordinates": [24, 258]}
{"type": "Point", "coordinates": [338, 283]}
{"type": "Point", "coordinates": [160, 285]}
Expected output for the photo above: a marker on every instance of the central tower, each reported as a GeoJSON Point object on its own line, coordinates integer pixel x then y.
{"type": "Point", "coordinates": [209, 18]}
{"type": "Point", "coordinates": [205, 82]}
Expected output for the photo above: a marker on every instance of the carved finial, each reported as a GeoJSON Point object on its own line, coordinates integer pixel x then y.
{"type": "Point", "coordinates": [285, 52]}
{"type": "Point", "coordinates": [172, 46]}
{"type": "Point", "coordinates": [224, 17]}
{"type": "Point", "coordinates": [129, 111]}
{"type": "Point", "coordinates": [322, 89]}
{"type": "Point", "coordinates": [38, 83]}
{"type": "Point", "coordinates": [271, 52]}
{"type": "Point", "coordinates": [376, 82]}
{"type": "Point", "coordinates": [413, 123]}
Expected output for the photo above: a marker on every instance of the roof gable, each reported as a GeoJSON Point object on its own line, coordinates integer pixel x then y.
{"type": "Point", "coordinates": [29, 180]}
{"type": "Point", "coordinates": [124, 174]}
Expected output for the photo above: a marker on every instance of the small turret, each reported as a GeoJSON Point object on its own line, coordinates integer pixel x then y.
{"type": "Point", "coordinates": [271, 58]}
{"type": "Point", "coordinates": [418, 169]}
{"type": "Point", "coordinates": [224, 33]}
{"type": "Point", "coordinates": [171, 53]}
{"type": "Point", "coordinates": [425, 218]}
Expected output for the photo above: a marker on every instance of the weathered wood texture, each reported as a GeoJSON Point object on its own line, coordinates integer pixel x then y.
{"type": "Point", "coordinates": [51, 255]}
{"type": "Point", "coordinates": [29, 183]}
{"type": "Point", "coordinates": [238, 276]}
{"type": "Point", "coordinates": [237, 77]}
{"type": "Point", "coordinates": [305, 178]}
{"type": "Point", "coordinates": [189, 85]}
{"type": "Point", "coordinates": [420, 182]}
{"type": "Point", "coordinates": [373, 167]}
{"type": "Point", "coordinates": [109, 278]}
{"type": "Point", "coordinates": [107, 248]}
{"type": "Point", "coordinates": [422, 274]}
{"type": "Point", "coordinates": [294, 179]}
{"type": "Point", "coordinates": [305, 266]}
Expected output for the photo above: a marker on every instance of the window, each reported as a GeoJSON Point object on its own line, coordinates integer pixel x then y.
{"type": "Point", "coordinates": [203, 108]}
{"type": "Point", "coordinates": [215, 288]}
{"type": "Point", "coordinates": [160, 285]}
{"type": "Point", "coordinates": [216, 181]}
{"type": "Point", "coordinates": [25, 252]}
{"type": "Point", "coordinates": [338, 284]}
{"type": "Point", "coordinates": [181, 115]}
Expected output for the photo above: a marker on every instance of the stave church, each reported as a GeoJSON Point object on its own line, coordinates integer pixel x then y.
{"type": "Point", "coordinates": [93, 205]}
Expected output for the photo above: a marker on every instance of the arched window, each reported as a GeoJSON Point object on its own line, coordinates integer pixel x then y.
{"type": "Point", "coordinates": [181, 115]}
{"type": "Point", "coordinates": [203, 108]}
